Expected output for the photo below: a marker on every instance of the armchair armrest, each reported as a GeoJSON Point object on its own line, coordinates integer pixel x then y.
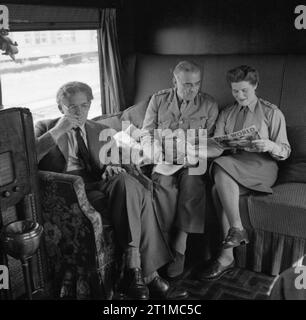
{"type": "Point", "coordinates": [75, 236]}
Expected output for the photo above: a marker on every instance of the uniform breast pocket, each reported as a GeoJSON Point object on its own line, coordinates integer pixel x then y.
{"type": "Point", "coordinates": [199, 123]}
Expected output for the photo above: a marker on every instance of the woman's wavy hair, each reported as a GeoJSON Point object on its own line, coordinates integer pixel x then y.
{"type": "Point", "coordinates": [243, 73]}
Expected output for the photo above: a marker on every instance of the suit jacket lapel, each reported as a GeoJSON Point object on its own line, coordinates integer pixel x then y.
{"type": "Point", "coordinates": [62, 144]}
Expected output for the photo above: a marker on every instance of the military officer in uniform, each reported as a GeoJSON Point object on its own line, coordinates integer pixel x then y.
{"type": "Point", "coordinates": [180, 197]}
{"type": "Point", "coordinates": [253, 168]}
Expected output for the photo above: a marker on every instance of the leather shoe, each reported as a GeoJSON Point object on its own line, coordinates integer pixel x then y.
{"type": "Point", "coordinates": [134, 286]}
{"type": "Point", "coordinates": [215, 271]}
{"type": "Point", "coordinates": [176, 267]}
{"type": "Point", "coordinates": [235, 238]}
{"type": "Point", "coordinates": [161, 289]}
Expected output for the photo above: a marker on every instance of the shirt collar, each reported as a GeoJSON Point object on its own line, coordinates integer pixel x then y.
{"type": "Point", "coordinates": [180, 101]}
{"type": "Point", "coordinates": [83, 129]}
{"type": "Point", "coordinates": [252, 105]}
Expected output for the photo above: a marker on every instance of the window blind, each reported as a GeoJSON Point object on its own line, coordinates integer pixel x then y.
{"type": "Point", "coordinates": [37, 17]}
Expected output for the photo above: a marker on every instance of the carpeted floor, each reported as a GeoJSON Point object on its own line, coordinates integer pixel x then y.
{"type": "Point", "coordinates": [237, 284]}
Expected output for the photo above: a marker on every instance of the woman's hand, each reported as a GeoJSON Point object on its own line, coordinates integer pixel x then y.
{"type": "Point", "coordinates": [213, 149]}
{"type": "Point", "coordinates": [263, 145]}
{"type": "Point", "coordinates": [111, 171]}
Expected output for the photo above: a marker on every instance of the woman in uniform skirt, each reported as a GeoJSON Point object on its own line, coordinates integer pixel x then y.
{"type": "Point", "coordinates": [253, 168]}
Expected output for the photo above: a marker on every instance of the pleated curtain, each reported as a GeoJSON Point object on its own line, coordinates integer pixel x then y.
{"type": "Point", "coordinates": [112, 97]}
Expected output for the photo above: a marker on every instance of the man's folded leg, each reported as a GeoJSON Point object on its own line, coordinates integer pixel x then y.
{"type": "Point", "coordinates": [136, 226]}
{"type": "Point", "coordinates": [135, 223]}
{"type": "Point", "coordinates": [153, 246]}
{"type": "Point", "coordinates": [133, 283]}
{"type": "Point", "coordinates": [109, 198]}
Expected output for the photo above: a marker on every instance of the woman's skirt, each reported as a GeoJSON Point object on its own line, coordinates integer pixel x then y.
{"type": "Point", "coordinates": [255, 171]}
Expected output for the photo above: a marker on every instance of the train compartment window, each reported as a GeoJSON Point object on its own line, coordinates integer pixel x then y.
{"type": "Point", "coordinates": [46, 60]}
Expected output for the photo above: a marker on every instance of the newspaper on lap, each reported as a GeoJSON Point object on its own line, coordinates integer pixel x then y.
{"type": "Point", "coordinates": [241, 139]}
{"type": "Point", "coordinates": [175, 145]}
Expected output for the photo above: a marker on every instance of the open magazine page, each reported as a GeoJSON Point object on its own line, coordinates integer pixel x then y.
{"type": "Point", "coordinates": [131, 154]}
{"type": "Point", "coordinates": [175, 146]}
{"type": "Point", "coordinates": [182, 147]}
{"type": "Point", "coordinates": [128, 142]}
{"type": "Point", "coordinates": [241, 139]}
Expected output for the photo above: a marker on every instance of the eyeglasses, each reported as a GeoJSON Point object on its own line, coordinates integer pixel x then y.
{"type": "Point", "coordinates": [188, 85]}
{"type": "Point", "coordinates": [85, 105]}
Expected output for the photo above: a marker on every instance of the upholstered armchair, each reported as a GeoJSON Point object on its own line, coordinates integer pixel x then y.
{"type": "Point", "coordinates": [83, 260]}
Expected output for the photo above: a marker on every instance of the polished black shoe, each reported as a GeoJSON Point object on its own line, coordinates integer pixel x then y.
{"type": "Point", "coordinates": [215, 271]}
{"type": "Point", "coordinates": [161, 289]}
{"type": "Point", "coordinates": [134, 286]}
{"type": "Point", "coordinates": [235, 238]}
{"type": "Point", "coordinates": [176, 267]}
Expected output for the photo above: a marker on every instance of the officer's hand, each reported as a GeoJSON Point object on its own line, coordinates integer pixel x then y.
{"type": "Point", "coordinates": [111, 171]}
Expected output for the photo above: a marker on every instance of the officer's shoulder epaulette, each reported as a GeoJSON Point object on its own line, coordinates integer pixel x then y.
{"type": "Point", "coordinates": [207, 96]}
{"type": "Point", "coordinates": [268, 104]}
{"type": "Point", "coordinates": [161, 92]}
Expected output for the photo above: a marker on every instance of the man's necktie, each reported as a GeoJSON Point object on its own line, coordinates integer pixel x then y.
{"type": "Point", "coordinates": [183, 106]}
{"type": "Point", "coordinates": [83, 153]}
{"type": "Point", "coordinates": [240, 118]}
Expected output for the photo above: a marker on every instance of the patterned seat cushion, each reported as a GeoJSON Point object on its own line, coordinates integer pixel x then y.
{"type": "Point", "coordinates": [76, 242]}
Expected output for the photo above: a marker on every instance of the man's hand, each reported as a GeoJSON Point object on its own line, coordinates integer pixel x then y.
{"type": "Point", "coordinates": [152, 150]}
{"type": "Point", "coordinates": [111, 171]}
{"type": "Point", "coordinates": [65, 124]}
{"type": "Point", "coordinates": [263, 145]}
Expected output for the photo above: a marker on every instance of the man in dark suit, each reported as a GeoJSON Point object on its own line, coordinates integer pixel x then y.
{"type": "Point", "coordinates": [71, 144]}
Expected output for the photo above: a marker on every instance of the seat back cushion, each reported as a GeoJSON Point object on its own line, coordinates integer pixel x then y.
{"type": "Point", "coordinates": [154, 72]}
{"type": "Point", "coordinates": [294, 169]}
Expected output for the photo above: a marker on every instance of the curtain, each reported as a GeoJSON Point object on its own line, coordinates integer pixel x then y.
{"type": "Point", "coordinates": [1, 105]}
{"type": "Point", "coordinates": [112, 96]}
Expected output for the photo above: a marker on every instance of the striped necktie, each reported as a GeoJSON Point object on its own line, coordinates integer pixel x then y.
{"type": "Point", "coordinates": [240, 118]}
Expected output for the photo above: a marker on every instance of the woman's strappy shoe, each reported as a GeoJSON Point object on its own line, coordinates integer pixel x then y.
{"type": "Point", "coordinates": [235, 238]}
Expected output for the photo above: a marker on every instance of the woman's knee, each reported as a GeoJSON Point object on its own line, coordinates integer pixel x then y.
{"type": "Point", "coordinates": [220, 176]}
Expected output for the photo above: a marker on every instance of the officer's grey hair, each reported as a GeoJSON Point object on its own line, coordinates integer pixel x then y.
{"type": "Point", "coordinates": [186, 66]}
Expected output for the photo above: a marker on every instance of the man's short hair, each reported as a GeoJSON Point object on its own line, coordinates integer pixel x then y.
{"type": "Point", "coordinates": [243, 73]}
{"type": "Point", "coordinates": [186, 66]}
{"type": "Point", "coordinates": [71, 88]}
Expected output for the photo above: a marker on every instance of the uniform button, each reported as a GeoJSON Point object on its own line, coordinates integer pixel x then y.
{"type": "Point", "coordinates": [6, 194]}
